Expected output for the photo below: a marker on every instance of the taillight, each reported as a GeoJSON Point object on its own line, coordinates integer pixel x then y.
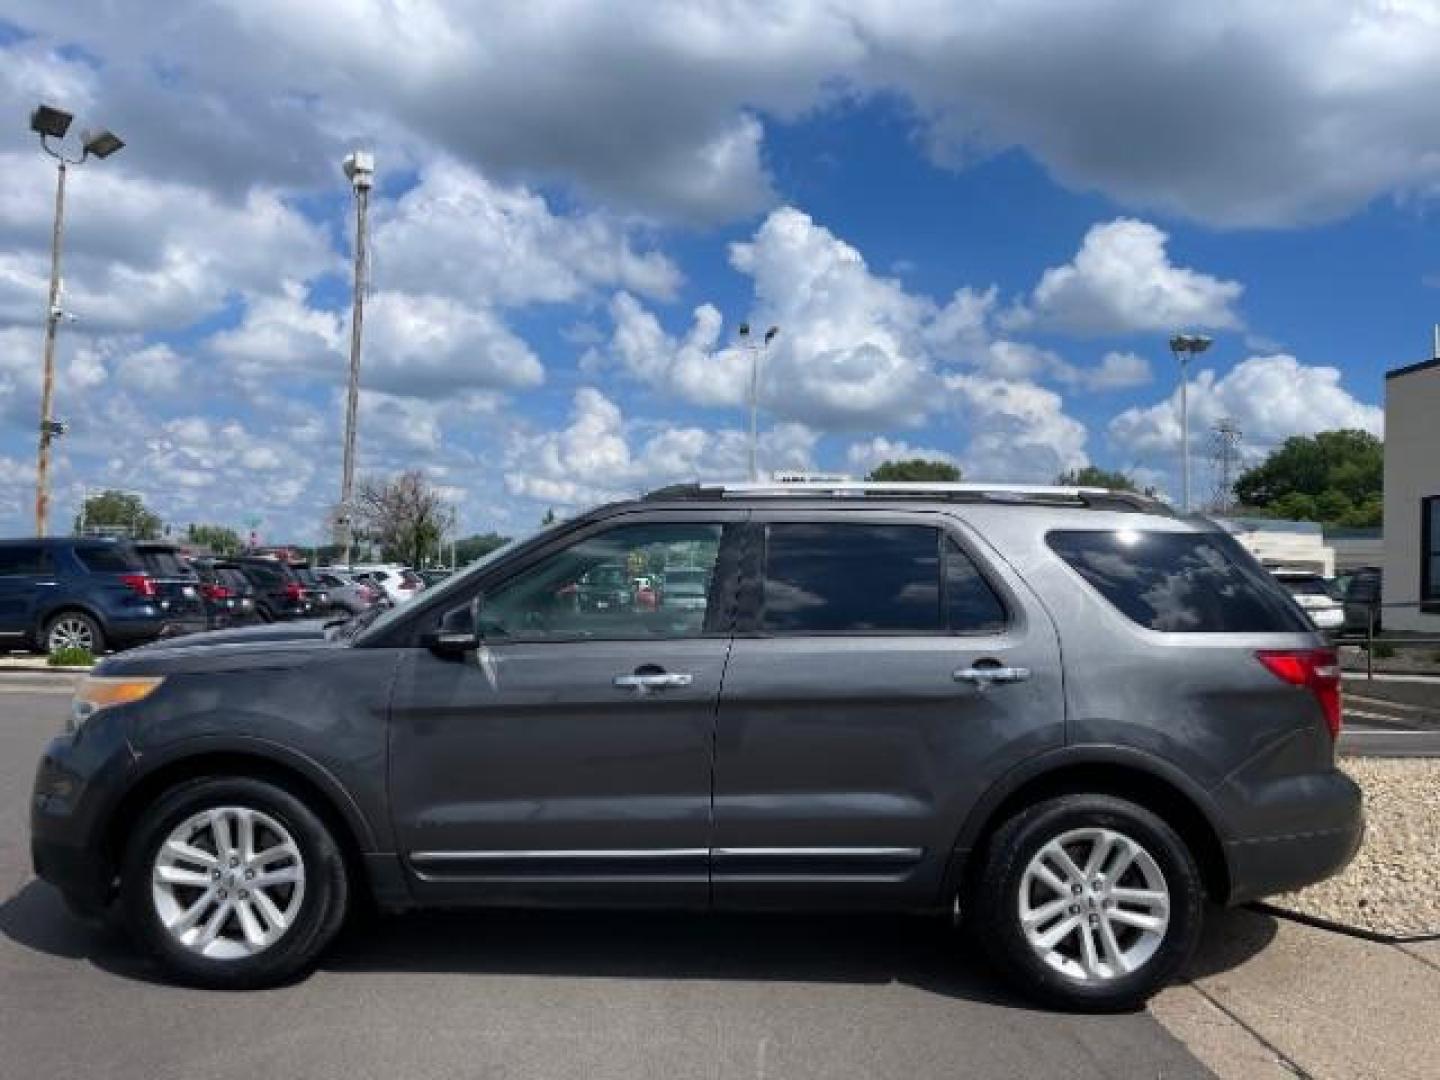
{"type": "Point", "coordinates": [294, 591]}
{"type": "Point", "coordinates": [139, 583]}
{"type": "Point", "coordinates": [1316, 670]}
{"type": "Point", "coordinates": [215, 592]}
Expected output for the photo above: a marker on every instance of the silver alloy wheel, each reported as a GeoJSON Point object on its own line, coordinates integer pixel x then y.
{"type": "Point", "coordinates": [1094, 905]}
{"type": "Point", "coordinates": [228, 882]}
{"type": "Point", "coordinates": [70, 632]}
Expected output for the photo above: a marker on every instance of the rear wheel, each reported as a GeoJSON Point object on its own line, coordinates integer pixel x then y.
{"type": "Point", "coordinates": [233, 883]}
{"type": "Point", "coordinates": [73, 630]}
{"type": "Point", "coordinates": [1089, 902]}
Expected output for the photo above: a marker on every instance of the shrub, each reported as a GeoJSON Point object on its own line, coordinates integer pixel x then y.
{"type": "Point", "coordinates": [1384, 651]}
{"type": "Point", "coordinates": [71, 658]}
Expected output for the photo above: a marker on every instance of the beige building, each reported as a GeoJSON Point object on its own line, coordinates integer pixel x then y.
{"type": "Point", "coordinates": [1412, 497]}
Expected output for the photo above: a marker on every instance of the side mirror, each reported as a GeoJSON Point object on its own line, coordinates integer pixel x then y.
{"type": "Point", "coordinates": [458, 632]}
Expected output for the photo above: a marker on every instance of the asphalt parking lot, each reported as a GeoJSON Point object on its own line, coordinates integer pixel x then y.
{"type": "Point", "coordinates": [529, 995]}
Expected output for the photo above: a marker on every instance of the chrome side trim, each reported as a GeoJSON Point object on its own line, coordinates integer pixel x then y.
{"type": "Point", "coordinates": [819, 853]}
{"type": "Point", "coordinates": [638, 853]}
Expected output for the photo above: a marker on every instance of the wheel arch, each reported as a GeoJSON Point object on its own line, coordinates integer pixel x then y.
{"type": "Point", "coordinates": [1099, 770]}
{"type": "Point", "coordinates": [63, 607]}
{"type": "Point", "coordinates": [251, 758]}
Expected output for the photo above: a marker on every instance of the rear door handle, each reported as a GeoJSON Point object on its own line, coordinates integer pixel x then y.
{"type": "Point", "coordinates": [643, 684]}
{"type": "Point", "coordinates": [982, 677]}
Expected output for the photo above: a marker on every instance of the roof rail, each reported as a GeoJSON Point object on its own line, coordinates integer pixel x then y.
{"type": "Point", "coordinates": [1095, 498]}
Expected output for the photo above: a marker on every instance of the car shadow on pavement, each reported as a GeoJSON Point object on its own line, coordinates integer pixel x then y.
{"type": "Point", "coordinates": [849, 948]}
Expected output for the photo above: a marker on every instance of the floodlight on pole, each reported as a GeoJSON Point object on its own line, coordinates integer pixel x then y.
{"type": "Point", "coordinates": [1185, 348]}
{"type": "Point", "coordinates": [359, 169]}
{"type": "Point", "coordinates": [756, 349]}
{"type": "Point", "coordinates": [50, 122]}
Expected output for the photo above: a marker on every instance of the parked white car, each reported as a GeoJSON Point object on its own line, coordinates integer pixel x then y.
{"type": "Point", "coordinates": [1312, 592]}
{"type": "Point", "coordinates": [400, 583]}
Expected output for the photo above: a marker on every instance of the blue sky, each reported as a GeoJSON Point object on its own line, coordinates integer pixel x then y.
{"type": "Point", "coordinates": [976, 232]}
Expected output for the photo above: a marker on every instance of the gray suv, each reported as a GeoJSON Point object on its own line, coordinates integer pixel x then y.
{"type": "Point", "coordinates": [1064, 713]}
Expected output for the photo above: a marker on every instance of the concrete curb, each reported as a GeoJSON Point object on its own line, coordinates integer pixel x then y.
{"type": "Point", "coordinates": [1321, 923]}
{"type": "Point", "coordinates": [40, 667]}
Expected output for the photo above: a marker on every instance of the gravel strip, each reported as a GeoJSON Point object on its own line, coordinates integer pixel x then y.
{"type": "Point", "coordinates": [1393, 886]}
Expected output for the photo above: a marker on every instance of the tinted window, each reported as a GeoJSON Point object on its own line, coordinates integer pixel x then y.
{"type": "Point", "coordinates": [970, 602]}
{"type": "Point", "coordinates": [1306, 586]}
{"type": "Point", "coordinates": [267, 577]}
{"type": "Point", "coordinates": [163, 562]}
{"type": "Point", "coordinates": [1179, 582]}
{"type": "Point", "coordinates": [22, 559]}
{"type": "Point", "coordinates": [1430, 548]}
{"type": "Point", "coordinates": [594, 589]}
{"type": "Point", "coordinates": [110, 558]}
{"type": "Point", "coordinates": [852, 579]}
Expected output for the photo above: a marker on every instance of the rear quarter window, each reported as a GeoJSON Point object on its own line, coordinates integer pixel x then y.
{"type": "Point", "coordinates": [1191, 583]}
{"type": "Point", "coordinates": [110, 559]}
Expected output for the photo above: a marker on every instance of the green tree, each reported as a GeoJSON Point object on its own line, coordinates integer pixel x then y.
{"type": "Point", "coordinates": [121, 512]}
{"type": "Point", "coordinates": [915, 469]}
{"type": "Point", "coordinates": [1094, 476]}
{"type": "Point", "coordinates": [470, 548]}
{"type": "Point", "coordinates": [1333, 477]}
{"type": "Point", "coordinates": [214, 538]}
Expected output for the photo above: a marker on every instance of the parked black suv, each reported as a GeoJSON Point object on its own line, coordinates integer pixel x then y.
{"type": "Point", "coordinates": [1065, 712]}
{"type": "Point", "coordinates": [88, 593]}
{"type": "Point", "coordinates": [279, 592]}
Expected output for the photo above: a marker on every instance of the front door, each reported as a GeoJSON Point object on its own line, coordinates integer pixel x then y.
{"type": "Point", "coordinates": [886, 669]}
{"type": "Point", "coordinates": [25, 572]}
{"type": "Point", "coordinates": [569, 759]}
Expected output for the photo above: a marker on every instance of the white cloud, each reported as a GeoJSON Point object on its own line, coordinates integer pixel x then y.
{"type": "Point", "coordinates": [1122, 281]}
{"type": "Point", "coordinates": [1118, 371]}
{"type": "Point", "coordinates": [1017, 431]}
{"type": "Point", "coordinates": [599, 457]}
{"type": "Point", "coordinates": [1268, 397]}
{"type": "Point", "coordinates": [458, 234]}
{"type": "Point", "coordinates": [863, 457]}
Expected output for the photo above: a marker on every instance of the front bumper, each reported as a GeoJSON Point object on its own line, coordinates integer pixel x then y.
{"type": "Point", "coordinates": [1324, 825]}
{"type": "Point", "coordinates": [76, 782]}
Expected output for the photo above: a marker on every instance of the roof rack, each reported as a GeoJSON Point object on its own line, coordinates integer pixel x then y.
{"type": "Point", "coordinates": [1093, 498]}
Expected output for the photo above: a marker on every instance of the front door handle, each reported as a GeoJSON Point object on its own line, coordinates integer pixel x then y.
{"type": "Point", "coordinates": [982, 676]}
{"type": "Point", "coordinates": [658, 680]}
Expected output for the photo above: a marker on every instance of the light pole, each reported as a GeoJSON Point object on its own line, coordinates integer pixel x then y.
{"type": "Point", "coordinates": [51, 123]}
{"type": "Point", "coordinates": [360, 170]}
{"type": "Point", "coordinates": [1186, 347]}
{"type": "Point", "coordinates": [755, 349]}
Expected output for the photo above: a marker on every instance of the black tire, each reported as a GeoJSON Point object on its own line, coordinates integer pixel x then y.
{"type": "Point", "coordinates": [996, 922]}
{"type": "Point", "coordinates": [90, 626]}
{"type": "Point", "coordinates": [264, 612]}
{"type": "Point", "coordinates": [322, 906]}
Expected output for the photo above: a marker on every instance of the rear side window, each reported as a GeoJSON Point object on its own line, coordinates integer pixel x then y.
{"type": "Point", "coordinates": [970, 603]}
{"type": "Point", "coordinates": [1180, 582]}
{"type": "Point", "coordinates": [23, 559]}
{"type": "Point", "coordinates": [110, 559]}
{"type": "Point", "coordinates": [827, 578]}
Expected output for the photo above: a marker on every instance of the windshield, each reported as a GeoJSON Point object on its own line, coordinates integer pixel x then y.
{"type": "Point", "coordinates": [457, 582]}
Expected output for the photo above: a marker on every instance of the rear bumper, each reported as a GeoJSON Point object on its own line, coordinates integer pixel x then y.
{"type": "Point", "coordinates": [1329, 807]}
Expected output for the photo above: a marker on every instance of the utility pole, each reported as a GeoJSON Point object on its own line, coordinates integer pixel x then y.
{"type": "Point", "coordinates": [1226, 460]}
{"type": "Point", "coordinates": [51, 123]}
{"type": "Point", "coordinates": [360, 169]}
{"type": "Point", "coordinates": [756, 349]}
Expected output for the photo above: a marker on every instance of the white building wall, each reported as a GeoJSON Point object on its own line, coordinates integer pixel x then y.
{"type": "Point", "coordinates": [1412, 472]}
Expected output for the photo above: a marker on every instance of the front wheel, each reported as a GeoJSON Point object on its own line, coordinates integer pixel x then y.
{"type": "Point", "coordinates": [233, 883]}
{"type": "Point", "coordinates": [1089, 902]}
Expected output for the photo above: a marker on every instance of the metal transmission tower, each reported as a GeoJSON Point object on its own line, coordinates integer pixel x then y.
{"type": "Point", "coordinates": [360, 169]}
{"type": "Point", "coordinates": [1224, 462]}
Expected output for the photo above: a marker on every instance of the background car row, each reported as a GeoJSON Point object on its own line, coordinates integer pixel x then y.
{"type": "Point", "coordinates": [99, 594]}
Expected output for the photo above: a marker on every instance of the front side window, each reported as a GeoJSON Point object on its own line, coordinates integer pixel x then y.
{"type": "Point", "coordinates": [1179, 582]}
{"type": "Point", "coordinates": [612, 585]}
{"type": "Point", "coordinates": [1430, 549]}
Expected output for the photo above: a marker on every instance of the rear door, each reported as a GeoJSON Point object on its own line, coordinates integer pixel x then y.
{"type": "Point", "coordinates": [25, 574]}
{"type": "Point", "coordinates": [569, 760]}
{"type": "Point", "coordinates": [884, 673]}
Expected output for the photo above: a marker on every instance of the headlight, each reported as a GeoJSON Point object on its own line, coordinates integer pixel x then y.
{"type": "Point", "coordinates": [98, 692]}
